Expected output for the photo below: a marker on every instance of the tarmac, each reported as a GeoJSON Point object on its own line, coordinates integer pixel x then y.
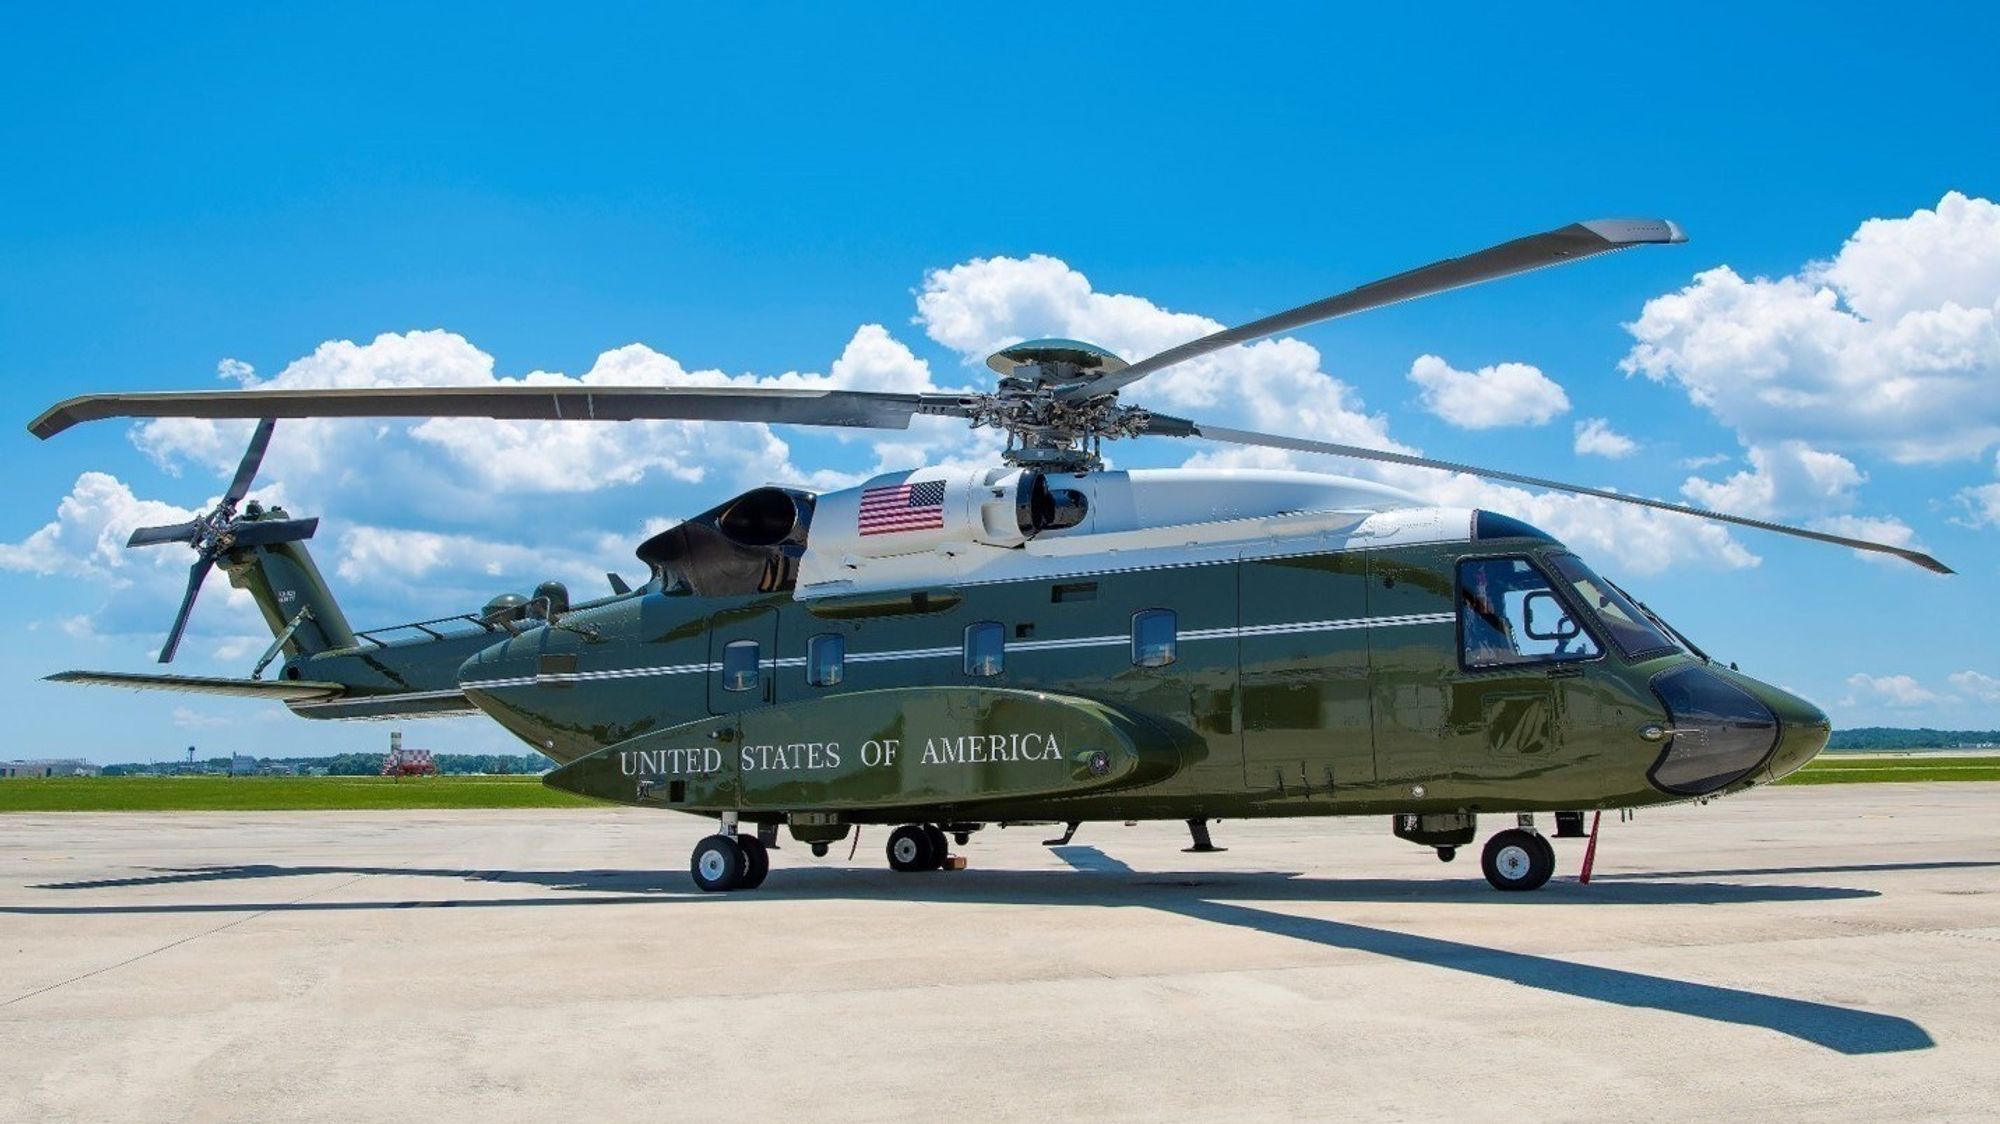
{"type": "Point", "coordinates": [1824, 952]}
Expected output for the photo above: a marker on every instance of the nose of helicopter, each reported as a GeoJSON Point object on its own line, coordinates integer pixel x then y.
{"type": "Point", "coordinates": [1803, 730]}
{"type": "Point", "coordinates": [1729, 728]}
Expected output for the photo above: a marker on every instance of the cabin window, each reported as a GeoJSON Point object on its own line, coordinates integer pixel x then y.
{"type": "Point", "coordinates": [1155, 637]}
{"type": "Point", "coordinates": [740, 659]}
{"type": "Point", "coordinates": [1509, 613]}
{"type": "Point", "coordinates": [826, 659]}
{"type": "Point", "coordinates": [985, 648]}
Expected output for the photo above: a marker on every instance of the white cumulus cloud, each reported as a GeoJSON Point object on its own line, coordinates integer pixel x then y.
{"type": "Point", "coordinates": [1891, 346]}
{"type": "Point", "coordinates": [1500, 395]}
{"type": "Point", "coordinates": [1789, 476]}
{"type": "Point", "coordinates": [1596, 438]}
{"type": "Point", "coordinates": [1980, 686]}
{"type": "Point", "coordinates": [1899, 691]}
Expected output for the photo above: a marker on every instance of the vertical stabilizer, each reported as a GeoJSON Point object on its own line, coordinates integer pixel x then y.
{"type": "Point", "coordinates": [283, 579]}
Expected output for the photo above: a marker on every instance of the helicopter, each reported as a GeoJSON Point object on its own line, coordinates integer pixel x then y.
{"type": "Point", "coordinates": [1041, 641]}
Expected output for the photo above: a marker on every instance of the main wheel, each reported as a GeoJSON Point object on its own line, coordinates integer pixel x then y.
{"type": "Point", "coordinates": [756, 862]}
{"type": "Point", "coordinates": [1548, 848]}
{"type": "Point", "coordinates": [940, 846]}
{"type": "Point", "coordinates": [1518, 860]}
{"type": "Point", "coordinates": [717, 864]}
{"type": "Point", "coordinates": [910, 850]}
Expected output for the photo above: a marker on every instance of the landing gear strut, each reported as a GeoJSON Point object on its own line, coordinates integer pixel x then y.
{"type": "Point", "coordinates": [1198, 831]}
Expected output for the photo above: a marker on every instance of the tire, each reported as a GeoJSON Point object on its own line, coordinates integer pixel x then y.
{"type": "Point", "coordinates": [1516, 860]}
{"type": "Point", "coordinates": [940, 846]}
{"type": "Point", "coordinates": [910, 850]}
{"type": "Point", "coordinates": [756, 862]}
{"type": "Point", "coordinates": [1548, 848]}
{"type": "Point", "coordinates": [717, 864]}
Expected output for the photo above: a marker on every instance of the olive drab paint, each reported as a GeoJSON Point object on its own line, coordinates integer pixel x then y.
{"type": "Point", "coordinates": [1318, 683]}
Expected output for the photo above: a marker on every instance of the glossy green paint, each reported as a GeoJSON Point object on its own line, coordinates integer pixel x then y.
{"type": "Point", "coordinates": [884, 750]}
{"type": "Point", "coordinates": [1265, 717]}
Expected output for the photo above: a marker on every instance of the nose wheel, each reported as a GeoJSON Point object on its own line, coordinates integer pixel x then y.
{"type": "Point", "coordinates": [1518, 860]}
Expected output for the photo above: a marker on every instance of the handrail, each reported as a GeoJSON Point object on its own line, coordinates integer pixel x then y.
{"type": "Point", "coordinates": [483, 624]}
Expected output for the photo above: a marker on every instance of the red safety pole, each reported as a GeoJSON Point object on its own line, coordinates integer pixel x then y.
{"type": "Point", "coordinates": [1590, 849]}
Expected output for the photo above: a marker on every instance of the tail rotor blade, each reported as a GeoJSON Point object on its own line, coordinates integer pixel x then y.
{"type": "Point", "coordinates": [272, 532]}
{"type": "Point", "coordinates": [253, 457]}
{"type": "Point", "coordinates": [154, 536]}
{"type": "Point", "coordinates": [196, 574]}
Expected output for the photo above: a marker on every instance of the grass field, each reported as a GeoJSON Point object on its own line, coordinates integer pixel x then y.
{"type": "Point", "coordinates": [275, 794]}
{"type": "Point", "coordinates": [1868, 770]}
{"type": "Point", "coordinates": [292, 794]}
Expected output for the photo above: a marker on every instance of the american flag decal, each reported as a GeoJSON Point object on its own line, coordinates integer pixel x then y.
{"type": "Point", "coordinates": [903, 507]}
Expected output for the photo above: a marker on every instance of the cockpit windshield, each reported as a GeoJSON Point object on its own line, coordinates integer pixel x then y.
{"type": "Point", "coordinates": [1630, 627]}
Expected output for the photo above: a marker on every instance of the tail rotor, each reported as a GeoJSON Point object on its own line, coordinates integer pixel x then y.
{"type": "Point", "coordinates": [222, 530]}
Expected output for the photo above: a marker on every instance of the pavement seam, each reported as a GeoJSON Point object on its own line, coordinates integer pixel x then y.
{"type": "Point", "coordinates": [44, 990]}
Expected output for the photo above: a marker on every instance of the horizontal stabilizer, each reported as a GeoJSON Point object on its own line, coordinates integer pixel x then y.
{"type": "Point", "coordinates": [292, 690]}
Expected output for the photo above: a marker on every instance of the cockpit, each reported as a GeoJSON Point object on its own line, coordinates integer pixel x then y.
{"type": "Point", "coordinates": [1522, 609]}
{"type": "Point", "coordinates": [750, 544]}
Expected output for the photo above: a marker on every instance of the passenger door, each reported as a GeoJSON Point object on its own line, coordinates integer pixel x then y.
{"type": "Point", "coordinates": [1307, 716]}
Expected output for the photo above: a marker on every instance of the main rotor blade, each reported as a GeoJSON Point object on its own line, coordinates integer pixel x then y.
{"type": "Point", "coordinates": [854, 408]}
{"type": "Point", "coordinates": [196, 574]}
{"type": "Point", "coordinates": [271, 532]}
{"type": "Point", "coordinates": [153, 536]}
{"type": "Point", "coordinates": [246, 470]}
{"type": "Point", "coordinates": [1570, 243]}
{"type": "Point", "coordinates": [1300, 444]}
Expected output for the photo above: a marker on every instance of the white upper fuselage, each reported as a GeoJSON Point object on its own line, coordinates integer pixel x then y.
{"type": "Point", "coordinates": [1143, 519]}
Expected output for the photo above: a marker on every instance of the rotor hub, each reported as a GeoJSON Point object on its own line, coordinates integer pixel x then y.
{"type": "Point", "coordinates": [1046, 428]}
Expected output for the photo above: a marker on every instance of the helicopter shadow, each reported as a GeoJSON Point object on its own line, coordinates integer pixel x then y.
{"type": "Point", "coordinates": [986, 887]}
{"type": "Point", "coordinates": [1223, 898]}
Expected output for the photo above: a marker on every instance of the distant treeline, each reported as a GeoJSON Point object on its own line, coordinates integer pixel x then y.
{"type": "Point", "coordinates": [1894, 737]}
{"type": "Point", "coordinates": [366, 764]}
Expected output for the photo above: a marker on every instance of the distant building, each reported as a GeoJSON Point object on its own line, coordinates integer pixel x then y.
{"type": "Point", "coordinates": [49, 767]}
{"type": "Point", "coordinates": [242, 766]}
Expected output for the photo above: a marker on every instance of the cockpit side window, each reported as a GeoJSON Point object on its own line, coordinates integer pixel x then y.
{"type": "Point", "coordinates": [1630, 628]}
{"type": "Point", "coordinates": [1509, 613]}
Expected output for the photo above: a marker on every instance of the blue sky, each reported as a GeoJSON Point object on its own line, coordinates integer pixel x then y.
{"type": "Point", "coordinates": [748, 192]}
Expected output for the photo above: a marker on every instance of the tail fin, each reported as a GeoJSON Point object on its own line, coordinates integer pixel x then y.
{"type": "Point", "coordinates": [288, 589]}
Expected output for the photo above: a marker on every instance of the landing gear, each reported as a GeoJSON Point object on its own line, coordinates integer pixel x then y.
{"type": "Point", "coordinates": [725, 862]}
{"type": "Point", "coordinates": [1517, 859]}
{"type": "Point", "coordinates": [1548, 850]}
{"type": "Point", "coordinates": [1198, 833]}
{"type": "Point", "coordinates": [717, 864]}
{"type": "Point", "coordinates": [756, 861]}
{"type": "Point", "coordinates": [915, 847]}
